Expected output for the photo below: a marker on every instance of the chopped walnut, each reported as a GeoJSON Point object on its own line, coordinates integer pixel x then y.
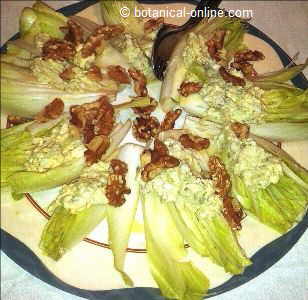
{"type": "Point", "coordinates": [219, 175]}
{"type": "Point", "coordinates": [94, 73]}
{"type": "Point", "coordinates": [118, 167]}
{"type": "Point", "coordinates": [99, 114]}
{"type": "Point", "coordinates": [194, 142]}
{"type": "Point", "coordinates": [146, 110]}
{"type": "Point", "coordinates": [140, 82]}
{"type": "Point", "coordinates": [57, 49]}
{"type": "Point", "coordinates": [152, 169]}
{"type": "Point", "coordinates": [228, 77]}
{"type": "Point", "coordinates": [74, 33]}
{"type": "Point", "coordinates": [153, 24]}
{"type": "Point", "coordinates": [231, 208]}
{"type": "Point", "coordinates": [67, 74]}
{"type": "Point", "coordinates": [248, 55]}
{"type": "Point", "coordinates": [232, 212]}
{"type": "Point", "coordinates": [146, 127]}
{"type": "Point", "coordinates": [51, 111]}
{"type": "Point", "coordinates": [12, 121]}
{"type": "Point", "coordinates": [116, 185]}
{"type": "Point", "coordinates": [155, 161]}
{"type": "Point", "coordinates": [246, 68]}
{"type": "Point", "coordinates": [215, 44]}
{"type": "Point", "coordinates": [169, 120]}
{"type": "Point", "coordinates": [240, 130]}
{"type": "Point", "coordinates": [95, 122]}
{"type": "Point", "coordinates": [96, 148]}
{"type": "Point", "coordinates": [118, 74]}
{"type": "Point", "coordinates": [104, 32]}
{"type": "Point", "coordinates": [188, 88]}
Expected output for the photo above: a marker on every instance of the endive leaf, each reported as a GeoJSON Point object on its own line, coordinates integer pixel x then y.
{"type": "Point", "coordinates": [120, 219]}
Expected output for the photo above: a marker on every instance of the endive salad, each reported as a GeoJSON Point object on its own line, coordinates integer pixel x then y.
{"type": "Point", "coordinates": [84, 115]}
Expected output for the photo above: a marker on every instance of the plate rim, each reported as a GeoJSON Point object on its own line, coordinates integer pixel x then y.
{"type": "Point", "coordinates": [18, 251]}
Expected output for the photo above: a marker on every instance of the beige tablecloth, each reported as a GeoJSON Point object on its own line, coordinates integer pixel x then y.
{"type": "Point", "coordinates": [286, 22]}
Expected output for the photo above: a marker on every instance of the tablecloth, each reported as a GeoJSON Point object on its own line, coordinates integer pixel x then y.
{"type": "Point", "coordinates": [286, 22]}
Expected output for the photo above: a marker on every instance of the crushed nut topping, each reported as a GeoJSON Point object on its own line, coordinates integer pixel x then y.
{"type": "Point", "coordinates": [194, 142]}
{"type": "Point", "coordinates": [160, 159]}
{"type": "Point", "coordinates": [228, 77]}
{"type": "Point", "coordinates": [170, 119]}
{"type": "Point", "coordinates": [240, 130]}
{"type": "Point", "coordinates": [94, 73]}
{"type": "Point", "coordinates": [231, 209]}
{"type": "Point", "coordinates": [67, 74]}
{"type": "Point", "coordinates": [153, 24]}
{"type": "Point", "coordinates": [104, 32]}
{"type": "Point", "coordinates": [188, 88]}
{"type": "Point", "coordinates": [145, 127]}
{"type": "Point", "coordinates": [215, 44]}
{"type": "Point", "coordinates": [51, 111]}
{"type": "Point", "coordinates": [118, 74]}
{"type": "Point", "coordinates": [57, 49]}
{"type": "Point", "coordinates": [12, 121]}
{"type": "Point", "coordinates": [140, 82]}
{"type": "Point", "coordinates": [94, 120]}
{"type": "Point", "coordinates": [146, 110]}
{"type": "Point", "coordinates": [116, 184]}
{"type": "Point", "coordinates": [74, 33]}
{"type": "Point", "coordinates": [248, 55]}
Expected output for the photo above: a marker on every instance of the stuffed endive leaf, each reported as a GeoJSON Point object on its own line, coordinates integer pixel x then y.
{"type": "Point", "coordinates": [120, 219]}
{"type": "Point", "coordinates": [37, 157]}
{"type": "Point", "coordinates": [79, 207]}
{"type": "Point", "coordinates": [267, 182]}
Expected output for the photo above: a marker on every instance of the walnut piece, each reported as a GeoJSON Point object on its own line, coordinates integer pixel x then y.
{"type": "Point", "coordinates": [194, 142]}
{"type": "Point", "coordinates": [140, 82]}
{"type": "Point", "coordinates": [116, 184]}
{"type": "Point", "coordinates": [232, 210]}
{"type": "Point", "coordinates": [96, 148]}
{"type": "Point", "coordinates": [95, 122]}
{"type": "Point", "coordinates": [152, 169]}
{"type": "Point", "coordinates": [153, 24]}
{"type": "Point", "coordinates": [51, 111]}
{"type": "Point", "coordinates": [57, 49]}
{"type": "Point", "coordinates": [67, 74]}
{"type": "Point", "coordinates": [155, 161]}
{"type": "Point", "coordinates": [246, 68]}
{"type": "Point", "coordinates": [74, 33]}
{"type": "Point", "coordinates": [228, 77]}
{"type": "Point", "coordinates": [146, 127]}
{"type": "Point", "coordinates": [169, 120]}
{"type": "Point", "coordinates": [240, 130]}
{"type": "Point", "coordinates": [118, 167]}
{"type": "Point", "coordinates": [188, 88]}
{"type": "Point", "coordinates": [104, 32]}
{"type": "Point", "coordinates": [215, 44]}
{"type": "Point", "coordinates": [118, 74]}
{"type": "Point", "coordinates": [94, 73]}
{"type": "Point", "coordinates": [248, 55]}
